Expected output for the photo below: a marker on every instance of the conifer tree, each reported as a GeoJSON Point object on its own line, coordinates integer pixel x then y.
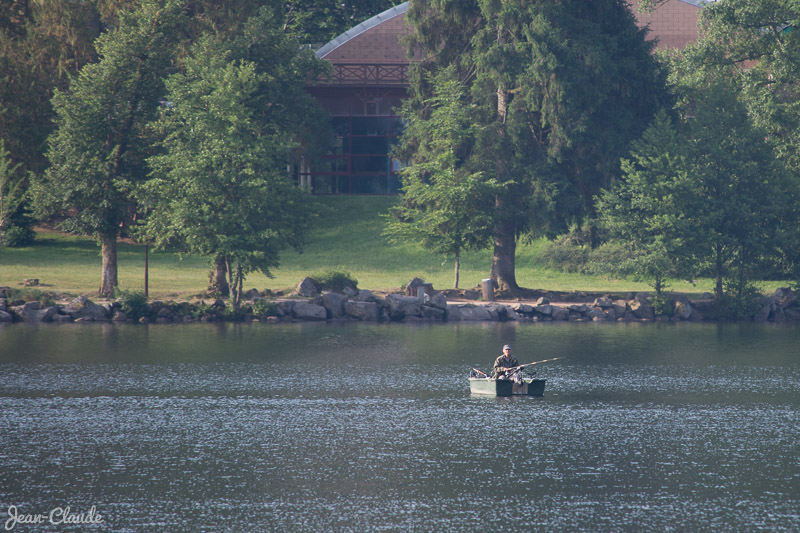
{"type": "Point", "coordinates": [561, 89]}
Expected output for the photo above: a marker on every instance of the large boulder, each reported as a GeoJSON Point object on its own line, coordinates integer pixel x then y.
{"type": "Point", "coordinates": [6, 317]}
{"type": "Point", "coordinates": [604, 302]}
{"type": "Point", "coordinates": [83, 308]}
{"type": "Point", "coordinates": [401, 307]}
{"type": "Point", "coordinates": [334, 303]}
{"type": "Point", "coordinates": [433, 313]}
{"type": "Point", "coordinates": [32, 312]}
{"type": "Point", "coordinates": [438, 300]}
{"type": "Point", "coordinates": [365, 296]}
{"type": "Point", "coordinates": [559, 313]}
{"type": "Point", "coordinates": [642, 308]}
{"type": "Point", "coordinates": [469, 312]}
{"type": "Point", "coordinates": [308, 288]}
{"type": "Point", "coordinates": [523, 309]}
{"type": "Point", "coordinates": [309, 311]}
{"type": "Point", "coordinates": [682, 310]}
{"type": "Point", "coordinates": [367, 311]}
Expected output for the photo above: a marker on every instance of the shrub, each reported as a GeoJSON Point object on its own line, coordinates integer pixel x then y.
{"type": "Point", "coordinates": [133, 304]}
{"type": "Point", "coordinates": [263, 308]}
{"type": "Point", "coordinates": [45, 299]}
{"type": "Point", "coordinates": [738, 301]}
{"type": "Point", "coordinates": [564, 255]}
{"type": "Point", "coordinates": [334, 280]}
{"type": "Point", "coordinates": [18, 236]}
{"type": "Point", "coordinates": [609, 258]}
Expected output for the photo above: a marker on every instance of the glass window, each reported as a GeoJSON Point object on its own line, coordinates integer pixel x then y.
{"type": "Point", "coordinates": [332, 164]}
{"type": "Point", "coordinates": [370, 164]}
{"type": "Point", "coordinates": [370, 185]}
{"type": "Point", "coordinates": [341, 126]}
{"type": "Point", "coordinates": [331, 185]}
{"type": "Point", "coordinates": [370, 126]}
{"type": "Point", "coordinates": [370, 145]}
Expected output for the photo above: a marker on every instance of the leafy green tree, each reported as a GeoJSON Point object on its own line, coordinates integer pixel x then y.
{"type": "Point", "coordinates": [97, 151]}
{"type": "Point", "coordinates": [739, 199]}
{"type": "Point", "coordinates": [561, 88]}
{"type": "Point", "coordinates": [11, 190]}
{"type": "Point", "coordinates": [756, 44]}
{"type": "Point", "coordinates": [645, 210]}
{"type": "Point", "coordinates": [709, 194]}
{"type": "Point", "coordinates": [220, 187]}
{"type": "Point", "coordinates": [41, 45]}
{"type": "Point", "coordinates": [444, 204]}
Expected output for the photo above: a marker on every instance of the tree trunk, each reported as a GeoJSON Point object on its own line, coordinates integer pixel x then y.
{"type": "Point", "coordinates": [219, 277]}
{"type": "Point", "coordinates": [146, 270]}
{"type": "Point", "coordinates": [504, 256]}
{"type": "Point", "coordinates": [457, 270]}
{"type": "Point", "coordinates": [718, 271]}
{"type": "Point", "coordinates": [109, 275]}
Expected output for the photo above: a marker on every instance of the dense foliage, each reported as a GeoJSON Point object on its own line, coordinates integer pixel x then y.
{"type": "Point", "coordinates": [560, 89]}
{"type": "Point", "coordinates": [234, 117]}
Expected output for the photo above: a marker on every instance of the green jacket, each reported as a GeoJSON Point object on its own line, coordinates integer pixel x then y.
{"type": "Point", "coordinates": [502, 362]}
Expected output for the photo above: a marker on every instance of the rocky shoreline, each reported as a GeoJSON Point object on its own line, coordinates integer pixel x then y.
{"type": "Point", "coordinates": [418, 302]}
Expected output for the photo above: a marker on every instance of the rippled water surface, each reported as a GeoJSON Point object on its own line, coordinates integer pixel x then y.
{"type": "Point", "coordinates": [655, 427]}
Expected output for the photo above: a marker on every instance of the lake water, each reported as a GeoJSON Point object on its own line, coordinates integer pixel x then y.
{"type": "Point", "coordinates": [348, 427]}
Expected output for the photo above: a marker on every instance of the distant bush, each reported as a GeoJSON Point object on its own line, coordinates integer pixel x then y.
{"type": "Point", "coordinates": [18, 236]}
{"type": "Point", "coordinates": [610, 258]}
{"type": "Point", "coordinates": [334, 280]}
{"type": "Point", "coordinates": [264, 308]}
{"type": "Point", "coordinates": [20, 230]}
{"type": "Point", "coordinates": [737, 301]}
{"type": "Point", "coordinates": [565, 255]}
{"type": "Point", "coordinates": [45, 299]}
{"type": "Point", "coordinates": [133, 304]}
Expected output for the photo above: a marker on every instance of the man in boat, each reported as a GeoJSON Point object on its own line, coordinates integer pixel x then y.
{"type": "Point", "coordinates": [503, 363]}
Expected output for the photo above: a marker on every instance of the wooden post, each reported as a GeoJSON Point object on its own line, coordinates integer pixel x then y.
{"type": "Point", "coordinates": [146, 270]}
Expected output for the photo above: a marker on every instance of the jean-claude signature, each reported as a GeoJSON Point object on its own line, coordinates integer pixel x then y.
{"type": "Point", "coordinates": [58, 515]}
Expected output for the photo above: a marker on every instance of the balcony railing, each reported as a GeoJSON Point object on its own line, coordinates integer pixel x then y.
{"type": "Point", "coordinates": [368, 74]}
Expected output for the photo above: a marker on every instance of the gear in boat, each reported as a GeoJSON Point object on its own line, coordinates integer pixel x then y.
{"type": "Point", "coordinates": [509, 378]}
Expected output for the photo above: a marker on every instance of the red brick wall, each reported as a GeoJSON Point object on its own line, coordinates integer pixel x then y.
{"type": "Point", "coordinates": [379, 44]}
{"type": "Point", "coordinates": [673, 23]}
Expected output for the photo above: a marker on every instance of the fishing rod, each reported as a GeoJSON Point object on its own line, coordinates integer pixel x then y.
{"type": "Point", "coordinates": [513, 368]}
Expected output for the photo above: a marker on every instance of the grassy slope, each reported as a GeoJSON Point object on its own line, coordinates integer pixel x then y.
{"type": "Point", "coordinates": [347, 236]}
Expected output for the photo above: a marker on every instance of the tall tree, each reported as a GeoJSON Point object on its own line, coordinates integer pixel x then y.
{"type": "Point", "coordinates": [11, 190]}
{"type": "Point", "coordinates": [708, 193]}
{"type": "Point", "coordinates": [97, 151]}
{"type": "Point", "coordinates": [739, 199]}
{"type": "Point", "coordinates": [235, 117]}
{"type": "Point", "coordinates": [561, 87]}
{"type": "Point", "coordinates": [646, 209]}
{"type": "Point", "coordinates": [41, 45]}
{"type": "Point", "coordinates": [756, 44]}
{"type": "Point", "coordinates": [444, 204]}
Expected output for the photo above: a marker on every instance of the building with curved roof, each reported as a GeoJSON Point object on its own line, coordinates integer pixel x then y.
{"type": "Point", "coordinates": [369, 81]}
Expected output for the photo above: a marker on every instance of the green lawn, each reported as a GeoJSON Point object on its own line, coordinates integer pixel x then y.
{"type": "Point", "coordinates": [346, 236]}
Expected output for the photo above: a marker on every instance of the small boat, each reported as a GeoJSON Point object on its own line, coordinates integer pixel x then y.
{"type": "Point", "coordinates": [507, 387]}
